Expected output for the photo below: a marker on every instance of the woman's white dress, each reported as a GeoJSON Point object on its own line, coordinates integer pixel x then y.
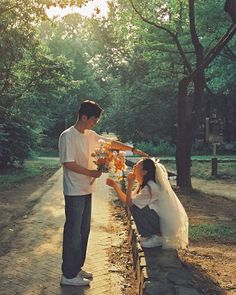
{"type": "Point", "coordinates": [173, 218]}
{"type": "Point", "coordinates": [160, 197]}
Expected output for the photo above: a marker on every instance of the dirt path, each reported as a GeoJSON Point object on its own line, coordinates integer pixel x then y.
{"type": "Point", "coordinates": [214, 255]}
{"type": "Point", "coordinates": [219, 187]}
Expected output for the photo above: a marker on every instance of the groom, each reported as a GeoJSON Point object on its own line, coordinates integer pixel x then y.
{"type": "Point", "coordinates": [76, 144]}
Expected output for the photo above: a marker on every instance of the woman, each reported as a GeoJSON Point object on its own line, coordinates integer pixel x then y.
{"type": "Point", "coordinates": [159, 216]}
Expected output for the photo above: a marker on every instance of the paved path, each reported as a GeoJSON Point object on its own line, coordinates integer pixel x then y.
{"type": "Point", "coordinates": [33, 265]}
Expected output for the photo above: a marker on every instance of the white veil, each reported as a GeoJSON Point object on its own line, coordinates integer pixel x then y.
{"type": "Point", "coordinates": [173, 218]}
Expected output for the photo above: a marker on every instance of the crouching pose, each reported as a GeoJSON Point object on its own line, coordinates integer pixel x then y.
{"type": "Point", "coordinates": [159, 216]}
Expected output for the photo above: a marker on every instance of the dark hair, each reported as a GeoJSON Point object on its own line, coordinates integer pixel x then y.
{"type": "Point", "coordinates": [149, 166]}
{"type": "Point", "coordinates": [90, 108]}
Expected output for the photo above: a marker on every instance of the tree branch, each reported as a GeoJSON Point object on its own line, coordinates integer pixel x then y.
{"type": "Point", "coordinates": [173, 35]}
{"type": "Point", "coordinates": [7, 9]}
{"type": "Point", "coordinates": [213, 52]}
{"type": "Point", "coordinates": [228, 53]}
{"type": "Point", "coordinates": [195, 40]}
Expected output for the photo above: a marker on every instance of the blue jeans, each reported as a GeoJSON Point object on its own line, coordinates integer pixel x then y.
{"type": "Point", "coordinates": [76, 233]}
{"type": "Point", "coordinates": [147, 220]}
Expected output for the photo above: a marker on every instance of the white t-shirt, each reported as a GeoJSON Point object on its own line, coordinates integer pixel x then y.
{"type": "Point", "coordinates": [148, 197]}
{"type": "Point", "coordinates": [77, 147]}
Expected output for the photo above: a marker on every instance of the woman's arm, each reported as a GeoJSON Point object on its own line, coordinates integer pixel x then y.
{"type": "Point", "coordinates": [112, 183]}
{"type": "Point", "coordinates": [124, 197]}
{"type": "Point", "coordinates": [130, 181]}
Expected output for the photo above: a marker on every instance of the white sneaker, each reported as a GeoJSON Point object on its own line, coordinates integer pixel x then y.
{"type": "Point", "coordinates": [153, 241]}
{"type": "Point", "coordinates": [77, 281]}
{"type": "Point", "coordinates": [85, 274]}
{"type": "Point", "coordinates": [140, 238]}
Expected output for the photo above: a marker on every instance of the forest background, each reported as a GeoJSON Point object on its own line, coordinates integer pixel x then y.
{"type": "Point", "coordinates": [131, 63]}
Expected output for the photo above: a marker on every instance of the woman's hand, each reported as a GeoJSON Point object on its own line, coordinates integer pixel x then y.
{"type": "Point", "coordinates": [110, 182]}
{"type": "Point", "coordinates": [130, 177]}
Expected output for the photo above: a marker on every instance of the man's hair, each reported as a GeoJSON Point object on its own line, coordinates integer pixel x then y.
{"type": "Point", "coordinates": [90, 108]}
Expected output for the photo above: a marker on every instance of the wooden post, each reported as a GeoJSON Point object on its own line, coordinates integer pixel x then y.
{"type": "Point", "coordinates": [207, 129]}
{"type": "Point", "coordinates": [214, 161]}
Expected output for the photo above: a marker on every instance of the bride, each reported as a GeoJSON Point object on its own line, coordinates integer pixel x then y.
{"type": "Point", "coordinates": [159, 215]}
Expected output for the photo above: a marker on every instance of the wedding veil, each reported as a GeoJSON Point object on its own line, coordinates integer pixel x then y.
{"type": "Point", "coordinates": [173, 218]}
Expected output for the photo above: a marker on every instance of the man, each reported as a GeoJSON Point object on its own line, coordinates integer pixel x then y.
{"type": "Point", "coordinates": [76, 144]}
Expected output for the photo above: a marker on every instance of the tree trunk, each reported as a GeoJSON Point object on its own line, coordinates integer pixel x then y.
{"type": "Point", "coordinates": [188, 124]}
{"type": "Point", "coordinates": [183, 163]}
{"type": "Point", "coordinates": [184, 139]}
{"type": "Point", "coordinates": [188, 121]}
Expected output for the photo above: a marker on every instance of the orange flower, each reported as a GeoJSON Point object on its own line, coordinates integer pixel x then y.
{"type": "Point", "coordinates": [107, 159]}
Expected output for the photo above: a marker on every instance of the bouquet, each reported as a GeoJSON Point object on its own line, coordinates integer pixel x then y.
{"type": "Point", "coordinates": [108, 160]}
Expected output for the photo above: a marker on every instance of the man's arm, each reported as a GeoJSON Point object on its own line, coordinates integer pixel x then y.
{"type": "Point", "coordinates": [124, 197]}
{"type": "Point", "coordinates": [81, 170]}
{"type": "Point", "coordinates": [124, 147]}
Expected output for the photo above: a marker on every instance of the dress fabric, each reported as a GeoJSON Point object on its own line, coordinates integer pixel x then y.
{"type": "Point", "coordinates": [173, 218]}
{"type": "Point", "coordinates": [160, 197]}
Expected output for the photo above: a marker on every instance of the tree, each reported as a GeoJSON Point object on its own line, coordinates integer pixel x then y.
{"type": "Point", "coordinates": [188, 115]}
{"type": "Point", "coordinates": [65, 37]}
{"type": "Point", "coordinates": [30, 78]}
{"type": "Point", "coordinates": [127, 76]}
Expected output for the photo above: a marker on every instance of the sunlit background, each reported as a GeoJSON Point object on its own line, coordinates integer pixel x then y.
{"type": "Point", "coordinates": [88, 10]}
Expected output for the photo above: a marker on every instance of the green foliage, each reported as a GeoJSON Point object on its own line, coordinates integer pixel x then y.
{"type": "Point", "coordinates": [130, 67]}
{"type": "Point", "coordinates": [164, 148]}
{"type": "Point", "coordinates": [200, 147]}
{"type": "Point", "coordinates": [205, 230]}
{"type": "Point", "coordinates": [33, 83]}
{"type": "Point", "coordinates": [201, 167]}
{"type": "Point", "coordinates": [16, 141]}
{"type": "Point", "coordinates": [31, 168]}
{"type": "Point", "coordinates": [64, 39]}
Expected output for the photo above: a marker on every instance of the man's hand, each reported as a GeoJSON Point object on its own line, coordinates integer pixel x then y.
{"type": "Point", "coordinates": [73, 166]}
{"type": "Point", "coordinates": [124, 147]}
{"type": "Point", "coordinates": [95, 173]}
{"type": "Point", "coordinates": [139, 152]}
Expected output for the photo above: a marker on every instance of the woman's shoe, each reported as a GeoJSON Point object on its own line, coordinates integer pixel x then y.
{"type": "Point", "coordinates": [153, 241]}
{"type": "Point", "coordinates": [140, 238]}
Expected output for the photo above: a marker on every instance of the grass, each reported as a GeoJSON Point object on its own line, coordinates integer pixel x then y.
{"type": "Point", "coordinates": [32, 168]}
{"type": "Point", "coordinates": [207, 158]}
{"type": "Point", "coordinates": [205, 230]}
{"type": "Point", "coordinates": [45, 152]}
{"type": "Point", "coordinates": [203, 169]}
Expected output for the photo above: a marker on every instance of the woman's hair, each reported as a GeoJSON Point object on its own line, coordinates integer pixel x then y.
{"type": "Point", "coordinates": [90, 108]}
{"type": "Point", "coordinates": [149, 166]}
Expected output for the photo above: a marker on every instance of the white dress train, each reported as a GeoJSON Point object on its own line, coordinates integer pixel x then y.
{"type": "Point", "coordinates": [173, 218]}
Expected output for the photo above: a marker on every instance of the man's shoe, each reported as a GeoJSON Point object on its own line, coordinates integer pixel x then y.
{"type": "Point", "coordinates": [77, 281]}
{"type": "Point", "coordinates": [86, 274]}
{"type": "Point", "coordinates": [153, 241]}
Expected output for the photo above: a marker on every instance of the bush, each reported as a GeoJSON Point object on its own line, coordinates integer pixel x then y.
{"type": "Point", "coordinates": [200, 147]}
{"type": "Point", "coordinates": [164, 148]}
{"type": "Point", "coordinates": [16, 141]}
